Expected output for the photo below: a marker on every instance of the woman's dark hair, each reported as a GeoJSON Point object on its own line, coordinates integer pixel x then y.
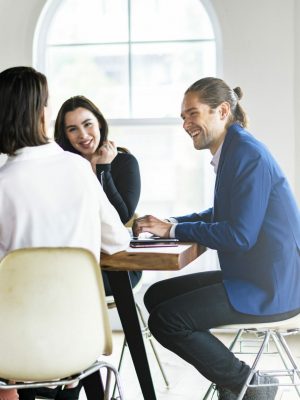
{"type": "Point", "coordinates": [23, 96]}
{"type": "Point", "coordinates": [70, 105]}
{"type": "Point", "coordinates": [214, 91]}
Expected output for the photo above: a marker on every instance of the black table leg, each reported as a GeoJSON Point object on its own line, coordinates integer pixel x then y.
{"type": "Point", "coordinates": [93, 386]}
{"type": "Point", "coordinates": [122, 292]}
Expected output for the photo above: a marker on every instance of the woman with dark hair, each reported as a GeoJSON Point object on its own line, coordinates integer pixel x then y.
{"type": "Point", "coordinates": [43, 201]}
{"type": "Point", "coordinates": [24, 109]}
{"type": "Point", "coordinates": [81, 128]}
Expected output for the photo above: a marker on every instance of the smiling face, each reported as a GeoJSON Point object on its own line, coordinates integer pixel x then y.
{"type": "Point", "coordinates": [83, 131]}
{"type": "Point", "coordinates": [206, 126]}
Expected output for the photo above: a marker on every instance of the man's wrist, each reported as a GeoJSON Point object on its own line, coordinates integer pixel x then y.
{"type": "Point", "coordinates": [172, 231]}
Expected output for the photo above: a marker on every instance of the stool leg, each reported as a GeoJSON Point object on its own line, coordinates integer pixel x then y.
{"type": "Point", "coordinates": [111, 369]}
{"type": "Point", "coordinates": [159, 364]}
{"type": "Point", "coordinates": [149, 336]}
{"type": "Point", "coordinates": [120, 363]}
{"type": "Point", "coordinates": [253, 368]}
{"type": "Point", "coordinates": [287, 351]}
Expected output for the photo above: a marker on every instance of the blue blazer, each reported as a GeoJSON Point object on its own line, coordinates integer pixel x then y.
{"type": "Point", "coordinates": [255, 227]}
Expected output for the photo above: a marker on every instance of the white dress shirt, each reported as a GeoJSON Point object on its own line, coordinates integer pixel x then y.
{"type": "Point", "coordinates": [51, 197]}
{"type": "Point", "coordinates": [216, 158]}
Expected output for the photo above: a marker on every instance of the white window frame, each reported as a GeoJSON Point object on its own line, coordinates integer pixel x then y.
{"type": "Point", "coordinates": [39, 45]}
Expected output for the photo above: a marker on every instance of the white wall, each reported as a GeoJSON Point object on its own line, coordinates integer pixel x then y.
{"type": "Point", "coordinates": [297, 98]}
{"type": "Point", "coordinates": [17, 24]}
{"type": "Point", "coordinates": [260, 53]}
{"type": "Point", "coordinates": [259, 56]}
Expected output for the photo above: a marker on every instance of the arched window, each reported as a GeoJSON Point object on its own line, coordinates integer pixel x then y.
{"type": "Point", "coordinates": [134, 59]}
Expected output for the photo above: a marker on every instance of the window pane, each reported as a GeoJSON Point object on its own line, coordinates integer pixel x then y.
{"type": "Point", "coordinates": [169, 20]}
{"type": "Point", "coordinates": [97, 72]}
{"type": "Point", "coordinates": [93, 21]}
{"type": "Point", "coordinates": [131, 80]}
{"type": "Point", "coordinates": [162, 72]}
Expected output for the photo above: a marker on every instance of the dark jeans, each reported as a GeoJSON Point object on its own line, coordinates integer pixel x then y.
{"type": "Point", "coordinates": [183, 309]}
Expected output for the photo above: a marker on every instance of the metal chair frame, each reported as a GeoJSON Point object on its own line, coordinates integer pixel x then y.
{"type": "Point", "coordinates": [145, 332]}
{"type": "Point", "coordinates": [263, 336]}
{"type": "Point", "coordinates": [73, 379]}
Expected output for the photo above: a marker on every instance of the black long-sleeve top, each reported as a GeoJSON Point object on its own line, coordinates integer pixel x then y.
{"type": "Point", "coordinates": [121, 182]}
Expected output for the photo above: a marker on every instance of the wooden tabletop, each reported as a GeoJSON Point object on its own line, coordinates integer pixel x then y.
{"type": "Point", "coordinates": [160, 258]}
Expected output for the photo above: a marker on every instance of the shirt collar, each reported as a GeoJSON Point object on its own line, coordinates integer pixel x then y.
{"type": "Point", "coordinates": [216, 158]}
{"type": "Point", "coordinates": [28, 153]}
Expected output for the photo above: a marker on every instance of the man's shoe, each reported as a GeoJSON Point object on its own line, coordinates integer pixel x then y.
{"type": "Point", "coordinates": [262, 392]}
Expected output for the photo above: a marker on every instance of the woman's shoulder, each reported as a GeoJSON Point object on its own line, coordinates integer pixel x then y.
{"type": "Point", "coordinates": [125, 162]}
{"type": "Point", "coordinates": [123, 157]}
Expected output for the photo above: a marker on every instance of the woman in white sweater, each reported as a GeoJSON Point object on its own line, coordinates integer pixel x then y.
{"type": "Point", "coordinates": [49, 197]}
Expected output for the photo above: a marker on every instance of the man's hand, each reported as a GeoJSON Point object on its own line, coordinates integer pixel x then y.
{"type": "Point", "coordinates": [151, 224]}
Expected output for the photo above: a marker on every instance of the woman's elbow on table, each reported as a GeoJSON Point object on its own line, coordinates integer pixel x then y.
{"type": "Point", "coordinates": [115, 241]}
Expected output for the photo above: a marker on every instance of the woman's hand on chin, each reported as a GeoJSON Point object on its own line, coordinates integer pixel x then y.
{"type": "Point", "coordinates": [105, 154]}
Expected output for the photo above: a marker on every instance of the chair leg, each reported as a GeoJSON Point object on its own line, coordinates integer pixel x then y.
{"type": "Point", "coordinates": [288, 353]}
{"type": "Point", "coordinates": [110, 369]}
{"type": "Point", "coordinates": [122, 355]}
{"type": "Point", "coordinates": [287, 350]}
{"type": "Point", "coordinates": [120, 363]}
{"type": "Point", "coordinates": [149, 336]}
{"type": "Point", "coordinates": [253, 367]}
{"type": "Point", "coordinates": [107, 384]}
{"type": "Point", "coordinates": [159, 364]}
